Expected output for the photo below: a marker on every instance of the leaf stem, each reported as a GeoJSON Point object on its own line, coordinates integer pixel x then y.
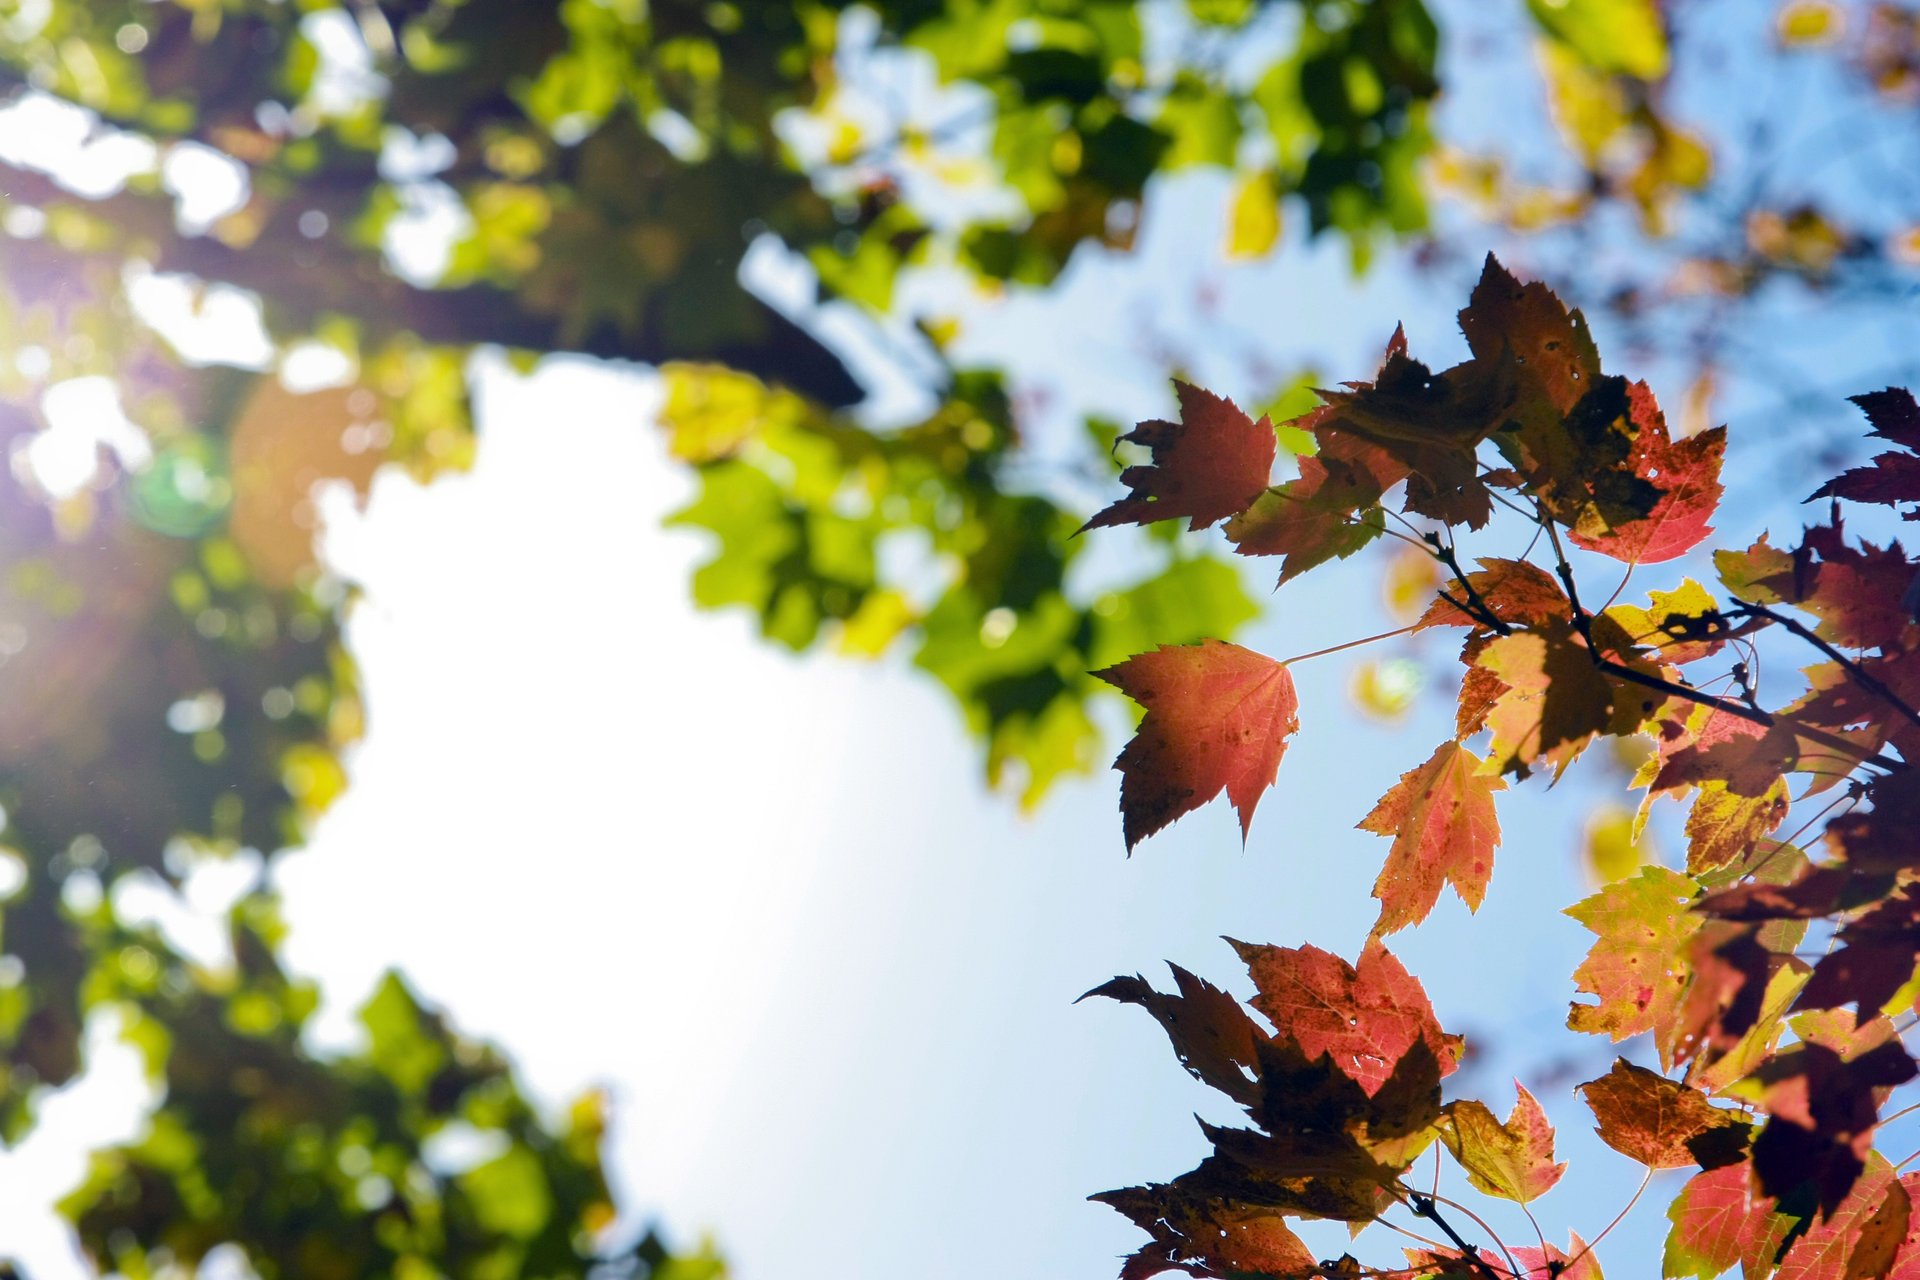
{"type": "Point", "coordinates": [1351, 644]}
{"type": "Point", "coordinates": [1617, 1219]}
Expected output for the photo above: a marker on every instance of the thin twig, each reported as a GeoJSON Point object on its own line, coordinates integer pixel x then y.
{"type": "Point", "coordinates": [1859, 674]}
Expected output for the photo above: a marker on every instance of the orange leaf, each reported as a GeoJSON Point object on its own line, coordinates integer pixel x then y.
{"type": "Point", "coordinates": [1442, 821]}
{"type": "Point", "coordinates": [1661, 1123]}
{"type": "Point", "coordinates": [1218, 718]}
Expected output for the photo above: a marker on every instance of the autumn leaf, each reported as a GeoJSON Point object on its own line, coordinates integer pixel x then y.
{"type": "Point", "coordinates": [1549, 1262]}
{"type": "Point", "coordinates": [1206, 1236]}
{"type": "Point", "coordinates": [1891, 478]}
{"type": "Point", "coordinates": [1685, 477]}
{"type": "Point", "coordinates": [1875, 962]}
{"type": "Point", "coordinates": [1555, 698]}
{"type": "Point", "coordinates": [1365, 1016]}
{"type": "Point", "coordinates": [1430, 425]}
{"type": "Point", "coordinates": [1517, 592]}
{"type": "Point", "coordinates": [1525, 323]}
{"type": "Point", "coordinates": [1641, 924]}
{"type": "Point", "coordinates": [1329, 512]}
{"type": "Point", "coordinates": [1860, 1238]}
{"type": "Point", "coordinates": [1661, 1123]}
{"type": "Point", "coordinates": [1212, 1035]}
{"type": "Point", "coordinates": [1719, 1222]}
{"type": "Point", "coordinates": [1823, 1108]}
{"type": "Point", "coordinates": [1685, 624]}
{"type": "Point", "coordinates": [1217, 718]}
{"type": "Point", "coordinates": [1444, 830]}
{"type": "Point", "coordinates": [1512, 1160]}
{"type": "Point", "coordinates": [1209, 465]}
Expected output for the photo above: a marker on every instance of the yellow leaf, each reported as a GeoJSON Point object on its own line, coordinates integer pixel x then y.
{"type": "Point", "coordinates": [1612, 851]}
{"type": "Point", "coordinates": [1809, 22]}
{"type": "Point", "coordinates": [1254, 224]}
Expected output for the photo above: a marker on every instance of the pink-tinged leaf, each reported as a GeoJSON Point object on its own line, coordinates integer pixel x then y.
{"type": "Point", "coordinates": [1576, 1262]}
{"type": "Point", "coordinates": [1218, 718]}
{"type": "Point", "coordinates": [1720, 1221]}
{"type": "Point", "coordinates": [1363, 1017]}
{"type": "Point", "coordinates": [1444, 830]}
{"type": "Point", "coordinates": [1209, 465]}
{"type": "Point", "coordinates": [1859, 1240]}
{"type": "Point", "coordinates": [1906, 1259]}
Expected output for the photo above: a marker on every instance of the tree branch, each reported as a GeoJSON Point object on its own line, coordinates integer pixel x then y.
{"type": "Point", "coordinates": [301, 281]}
{"type": "Point", "coordinates": [1859, 674]}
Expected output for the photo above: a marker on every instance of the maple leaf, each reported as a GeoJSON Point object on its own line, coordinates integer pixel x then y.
{"type": "Point", "coordinates": [1576, 1262]}
{"type": "Point", "coordinates": [1661, 1123]}
{"type": "Point", "coordinates": [1876, 961]}
{"type": "Point", "coordinates": [1642, 924]}
{"type": "Point", "coordinates": [1684, 624]}
{"type": "Point", "coordinates": [1512, 1160]}
{"type": "Point", "coordinates": [1517, 592]}
{"type": "Point", "coordinates": [1444, 830]}
{"type": "Point", "coordinates": [1429, 423]}
{"type": "Point", "coordinates": [1738, 767]}
{"type": "Point", "coordinates": [1555, 699]}
{"type": "Point", "coordinates": [1718, 1221]}
{"type": "Point", "coordinates": [1886, 837]}
{"type": "Point", "coordinates": [1212, 1035]}
{"type": "Point", "coordinates": [1207, 466]}
{"type": "Point", "coordinates": [1365, 1016]}
{"type": "Point", "coordinates": [1906, 1259]}
{"type": "Point", "coordinates": [1859, 593]}
{"type": "Point", "coordinates": [1526, 324]}
{"type": "Point", "coordinates": [1207, 1235]}
{"type": "Point", "coordinates": [1733, 974]}
{"type": "Point", "coordinates": [1860, 1238]}
{"type": "Point", "coordinates": [1723, 825]}
{"type": "Point", "coordinates": [1891, 478]}
{"type": "Point", "coordinates": [1330, 511]}
{"type": "Point", "coordinates": [1685, 477]}
{"type": "Point", "coordinates": [1217, 718]}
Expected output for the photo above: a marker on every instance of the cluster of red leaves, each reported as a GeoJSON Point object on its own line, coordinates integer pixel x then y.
{"type": "Point", "coordinates": [1774, 1071]}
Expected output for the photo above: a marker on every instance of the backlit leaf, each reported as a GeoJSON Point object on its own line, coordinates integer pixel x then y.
{"type": "Point", "coordinates": [1218, 718]}
{"type": "Point", "coordinates": [1444, 830]}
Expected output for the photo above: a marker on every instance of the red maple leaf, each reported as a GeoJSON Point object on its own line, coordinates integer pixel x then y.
{"type": "Point", "coordinates": [1364, 1017]}
{"type": "Point", "coordinates": [1686, 475]}
{"type": "Point", "coordinates": [1209, 465]}
{"type": "Point", "coordinates": [1218, 718]}
{"type": "Point", "coordinates": [1891, 478]}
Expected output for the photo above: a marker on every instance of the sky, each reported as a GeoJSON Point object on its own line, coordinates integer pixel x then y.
{"type": "Point", "coordinates": [765, 901]}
